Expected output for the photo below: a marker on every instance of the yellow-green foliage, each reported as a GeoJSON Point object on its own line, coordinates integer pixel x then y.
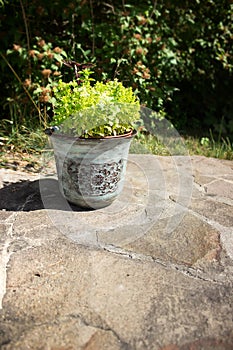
{"type": "Point", "coordinates": [95, 109]}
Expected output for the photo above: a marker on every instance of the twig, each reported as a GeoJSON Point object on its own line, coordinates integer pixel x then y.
{"type": "Point", "coordinates": [93, 28]}
{"type": "Point", "coordinates": [110, 6]}
{"type": "Point", "coordinates": [154, 8]}
{"type": "Point", "coordinates": [123, 5]}
{"type": "Point", "coordinates": [73, 34]}
{"type": "Point", "coordinates": [27, 34]}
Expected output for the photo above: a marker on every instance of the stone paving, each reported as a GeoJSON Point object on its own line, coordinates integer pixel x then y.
{"type": "Point", "coordinates": [152, 271]}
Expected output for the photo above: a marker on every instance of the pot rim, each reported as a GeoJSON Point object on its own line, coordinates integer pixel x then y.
{"type": "Point", "coordinates": [130, 134]}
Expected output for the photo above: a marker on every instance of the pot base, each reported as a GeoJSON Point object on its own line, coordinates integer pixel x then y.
{"type": "Point", "coordinates": [91, 204]}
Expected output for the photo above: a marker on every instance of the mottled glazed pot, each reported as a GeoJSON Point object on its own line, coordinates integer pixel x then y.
{"type": "Point", "coordinates": [91, 171]}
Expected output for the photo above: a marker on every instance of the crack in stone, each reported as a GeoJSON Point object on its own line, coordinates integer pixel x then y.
{"type": "Point", "coordinates": [128, 254]}
{"type": "Point", "coordinates": [5, 251]}
{"type": "Point", "coordinates": [28, 200]}
{"type": "Point", "coordinates": [97, 238]}
{"type": "Point", "coordinates": [196, 274]}
{"type": "Point", "coordinates": [215, 179]}
{"type": "Point", "coordinates": [223, 230]}
{"type": "Point", "coordinates": [191, 272]}
{"type": "Point", "coordinates": [211, 222]}
{"type": "Point", "coordinates": [124, 345]}
{"type": "Point", "coordinates": [201, 189]}
{"type": "Point", "coordinates": [5, 256]}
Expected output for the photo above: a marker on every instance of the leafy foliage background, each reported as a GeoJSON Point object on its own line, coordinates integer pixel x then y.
{"type": "Point", "coordinates": [177, 55]}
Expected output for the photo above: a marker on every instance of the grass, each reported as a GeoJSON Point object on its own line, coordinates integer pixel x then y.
{"type": "Point", "coordinates": [208, 147]}
{"type": "Point", "coordinates": [24, 140]}
{"type": "Point", "coordinates": [204, 146]}
{"type": "Point", "coordinates": [148, 144]}
{"type": "Point", "coordinates": [21, 148]}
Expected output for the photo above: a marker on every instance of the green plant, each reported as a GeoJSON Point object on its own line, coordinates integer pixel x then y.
{"type": "Point", "coordinates": [94, 109]}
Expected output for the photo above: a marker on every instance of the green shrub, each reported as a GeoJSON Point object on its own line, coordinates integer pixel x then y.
{"type": "Point", "coordinates": [176, 55]}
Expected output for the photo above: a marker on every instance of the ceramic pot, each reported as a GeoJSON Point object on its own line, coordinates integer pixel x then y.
{"type": "Point", "coordinates": [91, 171]}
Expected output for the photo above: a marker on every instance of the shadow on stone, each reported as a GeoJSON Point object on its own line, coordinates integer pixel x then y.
{"type": "Point", "coordinates": [27, 195]}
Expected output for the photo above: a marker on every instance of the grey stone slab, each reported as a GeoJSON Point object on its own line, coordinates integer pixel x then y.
{"type": "Point", "coordinates": [76, 293]}
{"type": "Point", "coordinates": [152, 271]}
